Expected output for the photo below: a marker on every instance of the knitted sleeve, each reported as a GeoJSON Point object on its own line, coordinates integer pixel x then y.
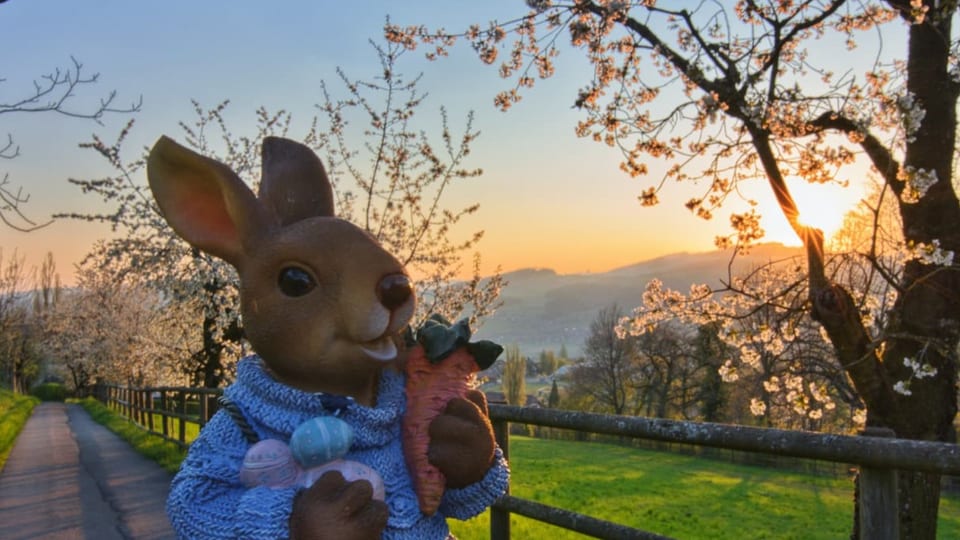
{"type": "Point", "coordinates": [472, 500]}
{"type": "Point", "coordinates": [207, 500]}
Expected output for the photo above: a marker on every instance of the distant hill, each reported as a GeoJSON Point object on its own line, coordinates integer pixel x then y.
{"type": "Point", "coordinates": [544, 310]}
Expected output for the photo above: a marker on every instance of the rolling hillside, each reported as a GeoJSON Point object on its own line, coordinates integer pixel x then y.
{"type": "Point", "coordinates": [544, 310]}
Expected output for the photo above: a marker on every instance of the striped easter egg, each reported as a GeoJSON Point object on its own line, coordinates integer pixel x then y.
{"type": "Point", "coordinates": [269, 463]}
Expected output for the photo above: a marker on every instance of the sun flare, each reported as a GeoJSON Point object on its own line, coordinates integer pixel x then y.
{"type": "Point", "coordinates": [820, 206]}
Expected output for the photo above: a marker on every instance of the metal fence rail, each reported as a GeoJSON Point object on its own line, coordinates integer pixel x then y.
{"type": "Point", "coordinates": [878, 456]}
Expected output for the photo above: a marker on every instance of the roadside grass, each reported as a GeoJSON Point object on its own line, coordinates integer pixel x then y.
{"type": "Point", "coordinates": [670, 494]}
{"type": "Point", "coordinates": [164, 452]}
{"type": "Point", "coordinates": [15, 410]}
{"type": "Point", "coordinates": [190, 429]}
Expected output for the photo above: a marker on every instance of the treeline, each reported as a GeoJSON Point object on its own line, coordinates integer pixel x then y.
{"type": "Point", "coordinates": [682, 371]}
{"type": "Point", "coordinates": [101, 330]}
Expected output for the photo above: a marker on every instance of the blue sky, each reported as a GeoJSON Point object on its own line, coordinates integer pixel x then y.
{"type": "Point", "coordinates": [547, 198]}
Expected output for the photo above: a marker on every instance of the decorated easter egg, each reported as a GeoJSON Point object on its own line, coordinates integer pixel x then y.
{"type": "Point", "coordinates": [320, 440]}
{"type": "Point", "coordinates": [269, 463]}
{"type": "Point", "coordinates": [351, 471]}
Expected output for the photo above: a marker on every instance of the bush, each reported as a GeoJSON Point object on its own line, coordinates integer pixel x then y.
{"type": "Point", "coordinates": [50, 392]}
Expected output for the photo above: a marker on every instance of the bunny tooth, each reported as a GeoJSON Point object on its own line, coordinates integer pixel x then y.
{"type": "Point", "coordinates": [382, 349]}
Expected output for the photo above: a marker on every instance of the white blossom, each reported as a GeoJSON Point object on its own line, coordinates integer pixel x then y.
{"type": "Point", "coordinates": [793, 382]}
{"type": "Point", "coordinates": [728, 373]}
{"type": "Point", "coordinates": [911, 114]}
{"type": "Point", "coordinates": [920, 371]}
{"type": "Point", "coordinates": [757, 407]}
{"type": "Point", "coordinates": [931, 253]}
{"type": "Point", "coordinates": [775, 346]}
{"type": "Point", "coordinates": [903, 388]}
{"type": "Point", "coordinates": [918, 182]}
{"type": "Point", "coordinates": [750, 357]}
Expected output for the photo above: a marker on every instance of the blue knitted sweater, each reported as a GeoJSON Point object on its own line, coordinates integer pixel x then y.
{"type": "Point", "coordinates": [207, 500]}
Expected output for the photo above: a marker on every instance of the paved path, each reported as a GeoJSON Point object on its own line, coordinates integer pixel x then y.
{"type": "Point", "coordinates": [69, 477]}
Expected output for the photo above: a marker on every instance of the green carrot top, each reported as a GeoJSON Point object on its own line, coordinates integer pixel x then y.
{"type": "Point", "coordinates": [440, 339]}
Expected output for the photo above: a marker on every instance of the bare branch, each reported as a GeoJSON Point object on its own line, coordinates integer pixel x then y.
{"type": "Point", "coordinates": [52, 93]}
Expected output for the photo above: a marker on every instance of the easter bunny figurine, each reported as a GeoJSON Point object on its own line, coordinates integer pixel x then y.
{"type": "Point", "coordinates": [323, 305]}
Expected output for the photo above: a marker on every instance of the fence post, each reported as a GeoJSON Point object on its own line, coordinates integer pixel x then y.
{"type": "Point", "coordinates": [500, 519]}
{"type": "Point", "coordinates": [144, 396]}
{"type": "Point", "coordinates": [878, 504]}
{"type": "Point", "coordinates": [213, 405]}
{"type": "Point", "coordinates": [148, 397]}
{"type": "Point", "coordinates": [202, 412]}
{"type": "Point", "coordinates": [164, 419]}
{"type": "Point", "coordinates": [132, 401]}
{"type": "Point", "coordinates": [182, 435]}
{"type": "Point", "coordinates": [141, 406]}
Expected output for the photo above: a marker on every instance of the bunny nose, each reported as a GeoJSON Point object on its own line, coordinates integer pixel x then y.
{"type": "Point", "coordinates": [394, 290]}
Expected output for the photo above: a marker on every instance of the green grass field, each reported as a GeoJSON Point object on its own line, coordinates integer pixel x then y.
{"type": "Point", "coordinates": [678, 496]}
{"type": "Point", "coordinates": [15, 410]}
{"type": "Point", "coordinates": [670, 494]}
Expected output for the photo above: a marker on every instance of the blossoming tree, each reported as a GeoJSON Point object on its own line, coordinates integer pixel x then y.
{"type": "Point", "coordinates": [732, 92]}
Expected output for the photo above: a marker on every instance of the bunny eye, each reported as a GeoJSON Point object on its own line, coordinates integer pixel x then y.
{"type": "Point", "coordinates": [295, 281]}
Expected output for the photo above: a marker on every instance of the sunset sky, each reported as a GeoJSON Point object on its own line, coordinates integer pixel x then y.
{"type": "Point", "coordinates": [547, 198]}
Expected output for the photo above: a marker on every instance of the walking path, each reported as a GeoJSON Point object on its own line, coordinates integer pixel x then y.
{"type": "Point", "coordinates": [69, 477]}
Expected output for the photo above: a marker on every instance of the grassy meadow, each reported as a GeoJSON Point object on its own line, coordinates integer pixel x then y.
{"type": "Point", "coordinates": [679, 496]}
{"type": "Point", "coordinates": [15, 410]}
{"type": "Point", "coordinates": [684, 497]}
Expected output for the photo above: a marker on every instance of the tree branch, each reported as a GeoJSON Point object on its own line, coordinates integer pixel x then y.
{"type": "Point", "coordinates": [879, 154]}
{"type": "Point", "coordinates": [58, 87]}
{"type": "Point", "coordinates": [51, 93]}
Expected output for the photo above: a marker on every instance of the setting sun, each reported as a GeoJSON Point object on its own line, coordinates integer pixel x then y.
{"type": "Point", "coordinates": [821, 205]}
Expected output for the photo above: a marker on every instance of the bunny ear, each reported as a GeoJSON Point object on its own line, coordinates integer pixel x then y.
{"type": "Point", "coordinates": [204, 201]}
{"type": "Point", "coordinates": [293, 183]}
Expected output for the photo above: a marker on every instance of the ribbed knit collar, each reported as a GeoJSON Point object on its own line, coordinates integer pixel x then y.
{"type": "Point", "coordinates": [275, 409]}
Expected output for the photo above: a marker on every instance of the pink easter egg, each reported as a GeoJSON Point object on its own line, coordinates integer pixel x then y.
{"type": "Point", "coordinates": [351, 471]}
{"type": "Point", "coordinates": [269, 463]}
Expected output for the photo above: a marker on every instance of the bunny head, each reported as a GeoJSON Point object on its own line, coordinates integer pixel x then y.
{"type": "Point", "coordinates": [322, 301]}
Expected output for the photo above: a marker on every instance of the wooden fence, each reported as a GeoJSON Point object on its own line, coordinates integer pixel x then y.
{"type": "Point", "coordinates": [875, 453]}
{"type": "Point", "coordinates": [174, 413]}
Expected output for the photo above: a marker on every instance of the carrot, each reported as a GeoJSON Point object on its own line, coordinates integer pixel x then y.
{"type": "Point", "coordinates": [441, 365]}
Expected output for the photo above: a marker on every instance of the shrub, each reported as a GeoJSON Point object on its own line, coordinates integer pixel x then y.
{"type": "Point", "coordinates": [50, 392]}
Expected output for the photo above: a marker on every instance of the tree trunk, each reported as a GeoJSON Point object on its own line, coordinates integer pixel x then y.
{"type": "Point", "coordinates": [924, 322]}
{"type": "Point", "coordinates": [209, 370]}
